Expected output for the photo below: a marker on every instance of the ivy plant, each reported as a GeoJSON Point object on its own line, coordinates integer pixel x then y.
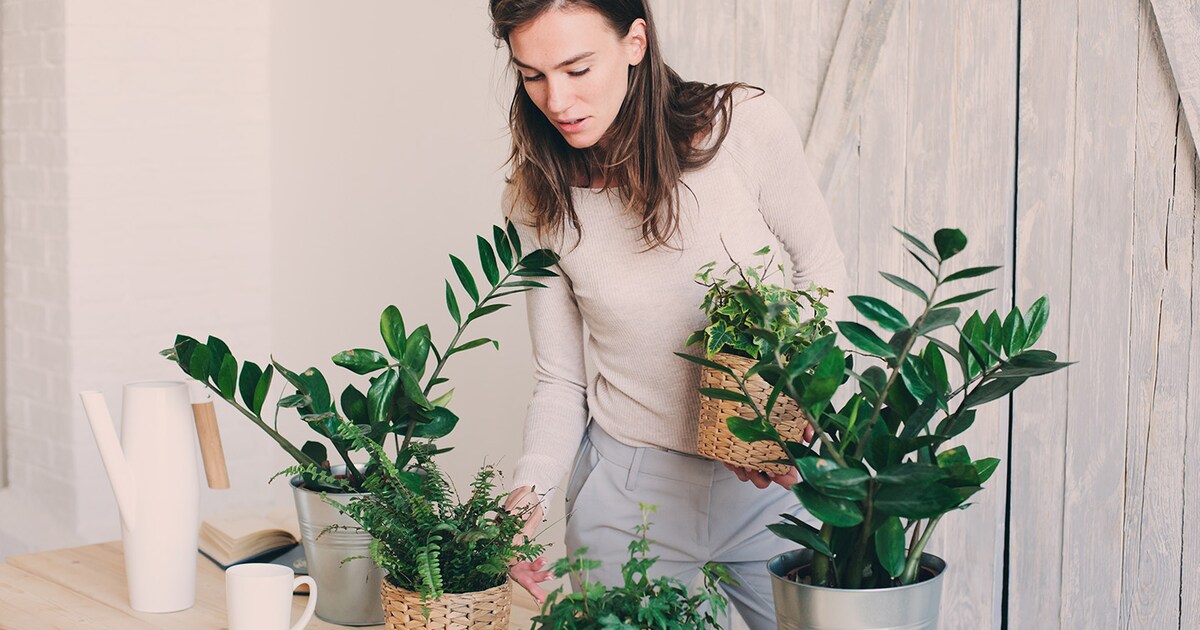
{"type": "Point", "coordinates": [737, 306]}
{"type": "Point", "coordinates": [888, 463]}
{"type": "Point", "coordinates": [399, 399]}
{"type": "Point", "coordinates": [640, 602]}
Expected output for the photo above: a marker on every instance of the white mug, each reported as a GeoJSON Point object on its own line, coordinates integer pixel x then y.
{"type": "Point", "coordinates": [259, 597]}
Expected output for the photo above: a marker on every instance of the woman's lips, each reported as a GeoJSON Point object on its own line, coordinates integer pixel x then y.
{"type": "Point", "coordinates": [574, 125]}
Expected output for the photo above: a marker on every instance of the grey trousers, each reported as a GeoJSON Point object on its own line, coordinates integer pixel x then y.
{"type": "Point", "coordinates": [704, 513]}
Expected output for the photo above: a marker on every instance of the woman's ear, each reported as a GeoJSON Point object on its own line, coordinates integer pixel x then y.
{"type": "Point", "coordinates": [635, 42]}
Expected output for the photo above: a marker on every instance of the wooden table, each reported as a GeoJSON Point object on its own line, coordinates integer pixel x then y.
{"type": "Point", "coordinates": [85, 587]}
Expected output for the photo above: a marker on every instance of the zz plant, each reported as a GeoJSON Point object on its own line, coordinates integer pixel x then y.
{"type": "Point", "coordinates": [640, 602]}
{"type": "Point", "coordinates": [736, 307]}
{"type": "Point", "coordinates": [885, 467]}
{"type": "Point", "coordinates": [400, 398]}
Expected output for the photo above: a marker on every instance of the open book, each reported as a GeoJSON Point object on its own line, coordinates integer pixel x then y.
{"type": "Point", "coordinates": [241, 536]}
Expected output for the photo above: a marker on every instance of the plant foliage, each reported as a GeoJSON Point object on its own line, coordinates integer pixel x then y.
{"type": "Point", "coordinates": [746, 311]}
{"type": "Point", "coordinates": [887, 464]}
{"type": "Point", "coordinates": [399, 399]}
{"type": "Point", "coordinates": [639, 602]}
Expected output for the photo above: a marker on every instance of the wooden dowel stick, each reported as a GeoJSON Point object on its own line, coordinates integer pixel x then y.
{"type": "Point", "coordinates": [211, 450]}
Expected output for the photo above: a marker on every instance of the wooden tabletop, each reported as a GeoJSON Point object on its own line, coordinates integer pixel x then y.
{"type": "Point", "coordinates": [85, 587]}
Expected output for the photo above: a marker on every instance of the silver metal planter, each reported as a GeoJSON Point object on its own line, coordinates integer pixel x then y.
{"type": "Point", "coordinates": [349, 593]}
{"type": "Point", "coordinates": [805, 607]}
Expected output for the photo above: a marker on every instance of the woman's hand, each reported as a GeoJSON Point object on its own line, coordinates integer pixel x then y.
{"type": "Point", "coordinates": [761, 479]}
{"type": "Point", "coordinates": [529, 573]}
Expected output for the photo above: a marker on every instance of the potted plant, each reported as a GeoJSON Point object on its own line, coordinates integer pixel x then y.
{"type": "Point", "coordinates": [399, 401]}
{"type": "Point", "coordinates": [446, 559]}
{"type": "Point", "coordinates": [735, 310]}
{"type": "Point", "coordinates": [885, 467]}
{"type": "Point", "coordinates": [639, 602]}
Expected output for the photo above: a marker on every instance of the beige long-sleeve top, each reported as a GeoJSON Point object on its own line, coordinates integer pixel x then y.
{"type": "Point", "coordinates": [640, 306]}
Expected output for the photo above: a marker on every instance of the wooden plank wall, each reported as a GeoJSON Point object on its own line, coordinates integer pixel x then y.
{"type": "Point", "coordinates": [1051, 132]}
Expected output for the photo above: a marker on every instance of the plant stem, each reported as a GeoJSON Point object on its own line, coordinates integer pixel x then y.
{"type": "Point", "coordinates": [820, 563]}
{"type": "Point", "coordinates": [855, 570]}
{"type": "Point", "coordinates": [913, 564]}
{"type": "Point", "coordinates": [296, 454]}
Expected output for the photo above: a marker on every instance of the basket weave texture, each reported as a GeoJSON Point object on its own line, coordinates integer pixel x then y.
{"type": "Point", "coordinates": [453, 611]}
{"type": "Point", "coordinates": [716, 442]}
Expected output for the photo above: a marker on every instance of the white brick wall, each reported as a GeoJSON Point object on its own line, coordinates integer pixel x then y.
{"type": "Point", "coordinates": [137, 191]}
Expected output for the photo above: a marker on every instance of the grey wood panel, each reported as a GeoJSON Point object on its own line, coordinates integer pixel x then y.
{"type": "Point", "coordinates": [1045, 195]}
{"type": "Point", "coordinates": [1099, 316]}
{"type": "Point", "coordinates": [1187, 204]}
{"type": "Point", "coordinates": [1159, 325]}
{"type": "Point", "coordinates": [1179, 23]}
{"type": "Point", "coordinates": [778, 50]}
{"type": "Point", "coordinates": [961, 160]}
{"type": "Point", "coordinates": [699, 37]}
{"type": "Point", "coordinates": [847, 81]}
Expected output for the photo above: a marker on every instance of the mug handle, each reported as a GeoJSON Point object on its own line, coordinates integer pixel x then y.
{"type": "Point", "coordinates": [312, 600]}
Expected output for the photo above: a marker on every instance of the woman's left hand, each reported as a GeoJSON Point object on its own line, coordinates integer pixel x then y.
{"type": "Point", "coordinates": [762, 479]}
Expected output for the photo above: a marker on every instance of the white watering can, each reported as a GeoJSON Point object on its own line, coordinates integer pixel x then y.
{"type": "Point", "coordinates": [153, 470]}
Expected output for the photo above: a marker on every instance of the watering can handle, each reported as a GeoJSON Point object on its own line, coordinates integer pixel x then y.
{"type": "Point", "coordinates": [211, 450]}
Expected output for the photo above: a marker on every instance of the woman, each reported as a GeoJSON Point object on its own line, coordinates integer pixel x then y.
{"type": "Point", "coordinates": [638, 178]}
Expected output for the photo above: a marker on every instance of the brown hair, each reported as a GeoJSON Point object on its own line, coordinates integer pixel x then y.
{"type": "Point", "coordinates": [652, 142]}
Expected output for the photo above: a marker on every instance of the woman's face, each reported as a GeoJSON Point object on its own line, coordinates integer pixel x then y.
{"type": "Point", "coordinates": [575, 68]}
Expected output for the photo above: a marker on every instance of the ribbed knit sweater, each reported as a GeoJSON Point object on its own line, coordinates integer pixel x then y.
{"type": "Point", "coordinates": [637, 307]}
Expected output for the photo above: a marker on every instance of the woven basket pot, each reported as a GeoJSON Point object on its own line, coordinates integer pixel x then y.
{"type": "Point", "coordinates": [453, 611]}
{"type": "Point", "coordinates": [716, 442]}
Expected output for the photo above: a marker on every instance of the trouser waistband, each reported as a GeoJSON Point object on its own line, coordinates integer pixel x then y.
{"type": "Point", "coordinates": [653, 461]}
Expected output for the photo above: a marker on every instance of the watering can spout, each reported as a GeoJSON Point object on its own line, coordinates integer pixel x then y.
{"type": "Point", "coordinates": [120, 474]}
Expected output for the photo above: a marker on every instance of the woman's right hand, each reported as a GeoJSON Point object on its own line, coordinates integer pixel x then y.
{"type": "Point", "coordinates": [528, 573]}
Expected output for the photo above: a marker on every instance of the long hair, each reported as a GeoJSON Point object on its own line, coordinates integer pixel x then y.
{"type": "Point", "coordinates": [652, 142]}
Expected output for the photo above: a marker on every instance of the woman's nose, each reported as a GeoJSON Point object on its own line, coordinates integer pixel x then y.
{"type": "Point", "coordinates": [559, 96]}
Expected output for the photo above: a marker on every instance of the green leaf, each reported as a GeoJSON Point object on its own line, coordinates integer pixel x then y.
{"type": "Point", "coordinates": [534, 272]}
{"type": "Point", "coordinates": [865, 339]}
{"type": "Point", "coordinates": [315, 451]}
{"type": "Point", "coordinates": [487, 259]}
{"type": "Point", "coordinates": [906, 285]}
{"type": "Point", "coordinates": [949, 242]}
{"type": "Point", "coordinates": [879, 312]}
{"type": "Point", "coordinates": [295, 400]}
{"type": "Point", "coordinates": [922, 261]}
{"type": "Point", "coordinates": [524, 283]}
{"type": "Point", "coordinates": [227, 378]}
{"type": "Point", "coordinates": [990, 391]}
{"type": "Point", "coordinates": [380, 394]}
{"type": "Point", "coordinates": [916, 378]}
{"type": "Point", "coordinates": [916, 501]}
{"type": "Point", "coordinates": [957, 456]}
{"type": "Point", "coordinates": [953, 425]}
{"type": "Point", "coordinates": [972, 331]}
{"type": "Point", "coordinates": [825, 380]}
{"type": "Point", "coordinates": [391, 328]}
{"type": "Point", "coordinates": [720, 335]}
{"type": "Point", "coordinates": [1014, 333]}
{"type": "Point", "coordinates": [724, 394]}
{"type": "Point", "coordinates": [198, 364]}
{"type": "Point", "coordinates": [705, 362]}
{"type": "Point", "coordinates": [218, 350]}
{"type": "Point", "coordinates": [910, 474]}
{"type": "Point", "coordinates": [812, 355]}
{"type": "Point", "coordinates": [1036, 318]}
{"type": "Point", "coordinates": [416, 351]}
{"type": "Point", "coordinates": [485, 310]}
{"type": "Point", "coordinates": [412, 389]}
{"type": "Point", "coordinates": [916, 241]}
{"type": "Point", "coordinates": [354, 406]}
{"type": "Point", "coordinates": [985, 467]}
{"type": "Point", "coordinates": [360, 360]}
{"type": "Point", "coordinates": [441, 422]}
{"type": "Point", "coordinates": [962, 298]}
{"type": "Point", "coordinates": [465, 277]}
{"type": "Point", "coordinates": [938, 318]}
{"type": "Point", "coordinates": [514, 239]}
{"type": "Point", "coordinates": [475, 343]}
{"type": "Point", "coordinates": [750, 430]}
{"type": "Point", "coordinates": [834, 511]}
{"type": "Point", "coordinates": [261, 390]}
{"type": "Point", "coordinates": [541, 259]}
{"type": "Point", "coordinates": [452, 304]}
{"type": "Point", "coordinates": [830, 479]}
{"type": "Point", "coordinates": [937, 367]}
{"type": "Point", "coordinates": [889, 546]}
{"type": "Point", "coordinates": [503, 248]}
{"type": "Point", "coordinates": [970, 272]}
{"type": "Point", "coordinates": [248, 382]}
{"type": "Point", "coordinates": [802, 533]}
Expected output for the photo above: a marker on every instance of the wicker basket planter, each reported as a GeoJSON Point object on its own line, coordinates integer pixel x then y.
{"type": "Point", "coordinates": [715, 440]}
{"type": "Point", "coordinates": [453, 611]}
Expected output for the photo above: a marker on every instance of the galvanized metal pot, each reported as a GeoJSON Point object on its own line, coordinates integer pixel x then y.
{"type": "Point", "coordinates": [349, 593]}
{"type": "Point", "coordinates": [805, 607]}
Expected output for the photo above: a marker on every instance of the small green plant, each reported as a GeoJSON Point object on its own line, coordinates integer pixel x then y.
{"type": "Point", "coordinates": [738, 308]}
{"type": "Point", "coordinates": [399, 400]}
{"type": "Point", "coordinates": [885, 468]}
{"type": "Point", "coordinates": [640, 602]}
{"type": "Point", "coordinates": [427, 539]}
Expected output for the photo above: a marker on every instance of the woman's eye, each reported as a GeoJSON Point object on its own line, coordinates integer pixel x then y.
{"type": "Point", "coordinates": [579, 73]}
{"type": "Point", "coordinates": [536, 77]}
